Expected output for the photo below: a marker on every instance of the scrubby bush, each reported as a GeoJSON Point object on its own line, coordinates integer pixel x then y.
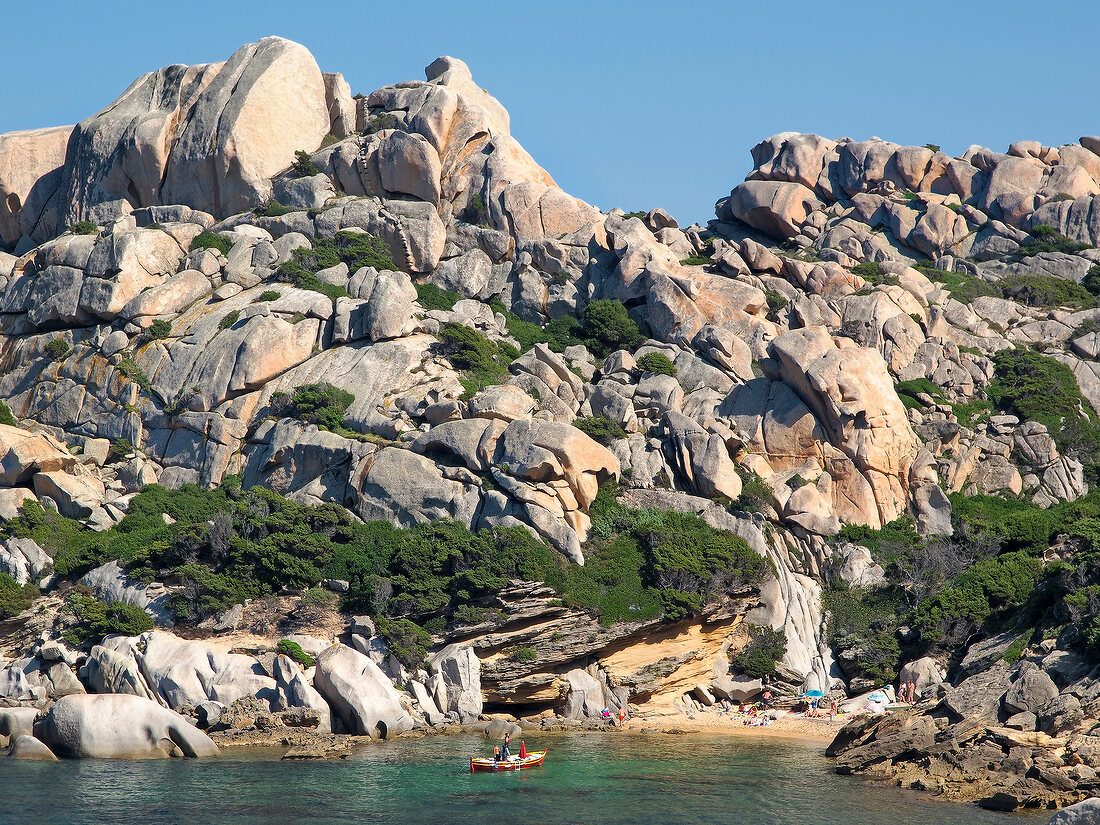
{"type": "Point", "coordinates": [558, 334]}
{"type": "Point", "coordinates": [211, 240]}
{"type": "Point", "coordinates": [521, 654]}
{"type": "Point", "coordinates": [432, 297]}
{"type": "Point", "coordinates": [84, 228]}
{"type": "Point", "coordinates": [14, 598]}
{"type": "Point", "coordinates": [1046, 238]}
{"type": "Point", "coordinates": [303, 166]}
{"type": "Point", "coordinates": [322, 404]}
{"type": "Point", "coordinates": [229, 319]}
{"type": "Point", "coordinates": [600, 428]}
{"type": "Point", "coordinates": [777, 302]}
{"type": "Point", "coordinates": [608, 327]}
{"type": "Point", "coordinates": [1037, 388]}
{"type": "Point", "coordinates": [273, 209]}
{"type": "Point", "coordinates": [356, 249]}
{"type": "Point", "coordinates": [132, 372]}
{"type": "Point", "coordinates": [657, 363]}
{"type": "Point", "coordinates": [6, 416]}
{"type": "Point", "coordinates": [295, 652]}
{"type": "Point", "coordinates": [159, 329]}
{"type": "Point", "coordinates": [696, 260]}
{"type": "Point", "coordinates": [1091, 281]}
{"type": "Point", "coordinates": [909, 390]}
{"type": "Point", "coordinates": [269, 295]}
{"type": "Point", "coordinates": [96, 619]}
{"type": "Point", "coordinates": [406, 640]}
{"type": "Point", "coordinates": [759, 657]}
{"type": "Point", "coordinates": [484, 362]}
{"type": "Point", "coordinates": [1045, 291]}
{"type": "Point", "coordinates": [872, 273]}
{"type": "Point", "coordinates": [58, 348]}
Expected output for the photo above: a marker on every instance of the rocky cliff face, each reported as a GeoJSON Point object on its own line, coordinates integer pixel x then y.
{"type": "Point", "coordinates": [176, 273]}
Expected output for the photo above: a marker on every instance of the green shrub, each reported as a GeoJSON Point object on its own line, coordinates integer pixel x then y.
{"type": "Point", "coordinates": [860, 624]}
{"type": "Point", "coordinates": [58, 348]}
{"type": "Point", "coordinates": [557, 334]}
{"type": "Point", "coordinates": [600, 428]}
{"type": "Point", "coordinates": [322, 404]}
{"type": "Point", "coordinates": [84, 228]}
{"type": "Point", "coordinates": [132, 372]}
{"type": "Point", "coordinates": [909, 390]}
{"type": "Point", "coordinates": [521, 654]}
{"type": "Point", "coordinates": [120, 448]}
{"type": "Point", "coordinates": [872, 273]}
{"type": "Point", "coordinates": [1091, 281]}
{"type": "Point", "coordinates": [303, 166]}
{"type": "Point", "coordinates": [159, 329]}
{"type": "Point", "coordinates": [962, 287]}
{"type": "Point", "coordinates": [1047, 239]}
{"type": "Point", "coordinates": [432, 297]}
{"type": "Point", "coordinates": [658, 363]}
{"type": "Point", "coordinates": [1037, 388]}
{"type": "Point", "coordinates": [96, 619]}
{"type": "Point", "coordinates": [356, 249]}
{"type": "Point", "coordinates": [932, 146]}
{"type": "Point", "coordinates": [229, 319]}
{"type": "Point", "coordinates": [608, 327]}
{"type": "Point", "coordinates": [696, 260]}
{"type": "Point", "coordinates": [759, 657]}
{"type": "Point", "coordinates": [380, 123]}
{"type": "Point", "coordinates": [406, 640]}
{"type": "Point", "coordinates": [1045, 291]}
{"type": "Point", "coordinates": [295, 652]}
{"type": "Point", "coordinates": [269, 295]}
{"type": "Point", "coordinates": [777, 302]}
{"type": "Point", "coordinates": [211, 240]}
{"type": "Point", "coordinates": [6, 416]}
{"type": "Point", "coordinates": [274, 209]}
{"type": "Point", "coordinates": [14, 598]}
{"type": "Point", "coordinates": [483, 361]}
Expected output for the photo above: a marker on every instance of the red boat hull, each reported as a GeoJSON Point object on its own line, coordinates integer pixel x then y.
{"type": "Point", "coordinates": [532, 760]}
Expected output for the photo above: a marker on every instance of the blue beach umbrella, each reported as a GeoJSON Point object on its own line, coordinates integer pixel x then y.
{"type": "Point", "coordinates": [816, 694]}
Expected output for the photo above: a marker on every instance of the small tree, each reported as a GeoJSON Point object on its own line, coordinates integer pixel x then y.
{"type": "Point", "coordinates": [303, 166]}
{"type": "Point", "coordinates": [58, 348]}
{"type": "Point", "coordinates": [159, 329]}
{"type": "Point", "coordinates": [608, 327]}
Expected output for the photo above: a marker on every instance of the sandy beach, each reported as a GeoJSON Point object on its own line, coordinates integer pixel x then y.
{"type": "Point", "coordinates": [787, 726]}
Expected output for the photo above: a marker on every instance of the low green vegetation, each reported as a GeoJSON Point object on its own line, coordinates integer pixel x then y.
{"type": "Point", "coordinates": [872, 273]}
{"type": "Point", "coordinates": [159, 329]}
{"type": "Point", "coordinates": [229, 319]}
{"type": "Point", "coordinates": [657, 363]}
{"type": "Point", "coordinates": [227, 544]}
{"type": "Point", "coordinates": [295, 652]}
{"type": "Point", "coordinates": [6, 416]}
{"type": "Point", "coordinates": [14, 598]}
{"type": "Point", "coordinates": [696, 260]}
{"type": "Point", "coordinates": [482, 361]}
{"type": "Point", "coordinates": [558, 334]}
{"type": "Point", "coordinates": [58, 349]}
{"type": "Point", "coordinates": [521, 654]}
{"type": "Point", "coordinates": [1038, 388]}
{"type": "Point", "coordinates": [909, 390]}
{"type": "Point", "coordinates": [962, 287]}
{"type": "Point", "coordinates": [432, 297]}
{"type": "Point", "coordinates": [274, 209]}
{"type": "Point", "coordinates": [303, 166]}
{"type": "Point", "coordinates": [759, 657]}
{"type": "Point", "coordinates": [132, 372]}
{"type": "Point", "coordinates": [608, 327]}
{"type": "Point", "coordinates": [1045, 291]}
{"type": "Point", "coordinates": [321, 404]}
{"type": "Point", "coordinates": [211, 240]}
{"type": "Point", "coordinates": [356, 249]}
{"type": "Point", "coordinates": [600, 428]}
{"type": "Point", "coordinates": [269, 295]}
{"type": "Point", "coordinates": [777, 302]}
{"type": "Point", "coordinates": [1048, 239]}
{"type": "Point", "coordinates": [95, 619]}
{"type": "Point", "coordinates": [84, 228]}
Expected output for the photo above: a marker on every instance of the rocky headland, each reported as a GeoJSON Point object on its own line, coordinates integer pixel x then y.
{"type": "Point", "coordinates": [331, 415]}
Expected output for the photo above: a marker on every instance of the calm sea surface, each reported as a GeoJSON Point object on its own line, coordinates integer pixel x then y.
{"type": "Point", "coordinates": [588, 778]}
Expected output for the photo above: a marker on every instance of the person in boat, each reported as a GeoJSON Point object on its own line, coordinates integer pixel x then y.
{"type": "Point", "coordinates": [496, 753]}
{"type": "Point", "coordinates": [506, 751]}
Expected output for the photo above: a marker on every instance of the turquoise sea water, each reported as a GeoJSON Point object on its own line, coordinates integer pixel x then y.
{"type": "Point", "coordinates": [588, 778]}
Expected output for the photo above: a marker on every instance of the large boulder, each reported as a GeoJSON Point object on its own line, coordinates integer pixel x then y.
{"type": "Point", "coordinates": [1086, 812]}
{"type": "Point", "coordinates": [298, 692]}
{"type": "Point", "coordinates": [113, 726]}
{"type": "Point", "coordinates": [27, 159]}
{"type": "Point", "coordinates": [210, 136]}
{"type": "Point", "coordinates": [775, 207]}
{"type": "Point", "coordinates": [458, 673]}
{"type": "Point", "coordinates": [1031, 690]}
{"type": "Point", "coordinates": [360, 694]}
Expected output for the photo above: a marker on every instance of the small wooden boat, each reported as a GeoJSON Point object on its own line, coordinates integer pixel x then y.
{"type": "Point", "coordinates": [512, 763]}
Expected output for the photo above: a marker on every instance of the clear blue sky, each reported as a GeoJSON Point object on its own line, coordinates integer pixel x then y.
{"type": "Point", "coordinates": [633, 104]}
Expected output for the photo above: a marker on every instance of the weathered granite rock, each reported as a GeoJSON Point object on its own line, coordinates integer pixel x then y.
{"type": "Point", "coordinates": [360, 694]}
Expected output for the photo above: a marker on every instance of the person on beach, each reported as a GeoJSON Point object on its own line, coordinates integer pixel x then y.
{"type": "Point", "coordinates": [912, 693]}
{"type": "Point", "coordinates": [767, 699]}
{"type": "Point", "coordinates": [834, 710]}
{"type": "Point", "coordinates": [622, 716]}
